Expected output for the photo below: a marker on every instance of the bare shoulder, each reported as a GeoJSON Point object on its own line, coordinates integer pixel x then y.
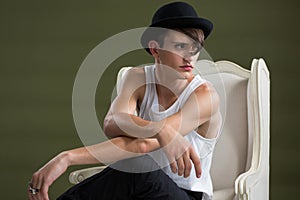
{"type": "Point", "coordinates": [134, 83]}
{"type": "Point", "coordinates": [137, 70]}
{"type": "Point", "coordinates": [206, 89]}
{"type": "Point", "coordinates": [208, 95]}
{"type": "Point", "coordinates": [135, 75]}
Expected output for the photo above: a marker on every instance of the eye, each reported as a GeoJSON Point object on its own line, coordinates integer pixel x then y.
{"type": "Point", "coordinates": [196, 47]}
{"type": "Point", "coordinates": [180, 46]}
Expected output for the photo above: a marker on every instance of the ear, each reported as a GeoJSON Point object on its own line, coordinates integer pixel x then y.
{"type": "Point", "coordinates": [153, 47]}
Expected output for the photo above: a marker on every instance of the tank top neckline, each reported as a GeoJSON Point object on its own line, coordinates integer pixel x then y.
{"type": "Point", "coordinates": [179, 98]}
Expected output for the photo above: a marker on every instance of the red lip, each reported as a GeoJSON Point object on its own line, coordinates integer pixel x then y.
{"type": "Point", "coordinates": [187, 67]}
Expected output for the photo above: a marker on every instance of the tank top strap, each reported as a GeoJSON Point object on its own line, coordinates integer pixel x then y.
{"type": "Point", "coordinates": [149, 74]}
{"type": "Point", "coordinates": [193, 85]}
{"type": "Point", "coordinates": [149, 91]}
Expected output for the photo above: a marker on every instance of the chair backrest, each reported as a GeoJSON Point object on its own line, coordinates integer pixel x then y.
{"type": "Point", "coordinates": [232, 154]}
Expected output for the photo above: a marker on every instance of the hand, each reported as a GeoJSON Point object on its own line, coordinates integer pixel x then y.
{"type": "Point", "coordinates": [44, 177]}
{"type": "Point", "coordinates": [184, 164]}
{"type": "Point", "coordinates": [179, 152]}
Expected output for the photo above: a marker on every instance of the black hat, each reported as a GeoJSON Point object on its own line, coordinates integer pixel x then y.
{"type": "Point", "coordinates": [176, 15]}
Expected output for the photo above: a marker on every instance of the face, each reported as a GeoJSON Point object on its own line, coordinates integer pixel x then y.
{"type": "Point", "coordinates": [178, 52]}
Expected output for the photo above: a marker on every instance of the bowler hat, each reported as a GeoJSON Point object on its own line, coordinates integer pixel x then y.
{"type": "Point", "coordinates": [175, 15]}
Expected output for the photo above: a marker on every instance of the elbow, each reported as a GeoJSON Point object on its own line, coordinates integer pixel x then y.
{"type": "Point", "coordinates": [106, 123]}
{"type": "Point", "coordinates": [142, 146]}
{"type": "Point", "coordinates": [147, 145]}
{"type": "Point", "coordinates": [108, 127]}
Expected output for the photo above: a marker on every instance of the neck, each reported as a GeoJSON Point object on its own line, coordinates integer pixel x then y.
{"type": "Point", "coordinates": [170, 82]}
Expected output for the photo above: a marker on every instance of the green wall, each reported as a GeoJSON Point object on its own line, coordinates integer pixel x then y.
{"type": "Point", "coordinates": [43, 43]}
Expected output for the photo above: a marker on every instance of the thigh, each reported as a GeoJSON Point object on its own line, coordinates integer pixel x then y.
{"type": "Point", "coordinates": [157, 185]}
{"type": "Point", "coordinates": [110, 184]}
{"type": "Point", "coordinates": [194, 195]}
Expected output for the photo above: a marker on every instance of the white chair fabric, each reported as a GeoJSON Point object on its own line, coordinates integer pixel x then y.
{"type": "Point", "coordinates": [240, 168]}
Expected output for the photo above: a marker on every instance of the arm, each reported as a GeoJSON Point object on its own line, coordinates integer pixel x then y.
{"type": "Point", "coordinates": [201, 108]}
{"type": "Point", "coordinates": [198, 109]}
{"type": "Point", "coordinates": [120, 120]}
{"type": "Point", "coordinates": [103, 153]}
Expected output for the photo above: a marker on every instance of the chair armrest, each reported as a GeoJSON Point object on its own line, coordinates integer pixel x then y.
{"type": "Point", "coordinates": [82, 174]}
{"type": "Point", "coordinates": [254, 184]}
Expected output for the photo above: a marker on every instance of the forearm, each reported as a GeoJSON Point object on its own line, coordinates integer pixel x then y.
{"type": "Point", "coordinates": [198, 109]}
{"type": "Point", "coordinates": [103, 153]}
{"type": "Point", "coordinates": [133, 126]}
{"type": "Point", "coordinates": [124, 124]}
{"type": "Point", "coordinates": [110, 151]}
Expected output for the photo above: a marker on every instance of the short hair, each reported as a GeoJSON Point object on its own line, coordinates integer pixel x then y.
{"type": "Point", "coordinates": [196, 34]}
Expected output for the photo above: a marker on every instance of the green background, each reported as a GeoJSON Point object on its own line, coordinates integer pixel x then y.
{"type": "Point", "coordinates": [43, 43]}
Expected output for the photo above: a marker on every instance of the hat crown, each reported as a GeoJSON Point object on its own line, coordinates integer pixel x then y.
{"type": "Point", "coordinates": [174, 10]}
{"type": "Point", "coordinates": [175, 15]}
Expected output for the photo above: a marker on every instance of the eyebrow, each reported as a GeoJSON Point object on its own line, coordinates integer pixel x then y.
{"type": "Point", "coordinates": [180, 42]}
{"type": "Point", "coordinates": [185, 43]}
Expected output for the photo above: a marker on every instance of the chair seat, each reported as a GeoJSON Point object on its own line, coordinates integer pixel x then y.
{"type": "Point", "coordinates": [225, 194]}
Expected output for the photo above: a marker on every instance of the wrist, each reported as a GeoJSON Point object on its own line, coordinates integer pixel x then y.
{"type": "Point", "coordinates": [166, 134]}
{"type": "Point", "coordinates": [66, 158]}
{"type": "Point", "coordinates": [158, 129]}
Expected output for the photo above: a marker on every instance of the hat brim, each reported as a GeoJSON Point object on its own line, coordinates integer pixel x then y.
{"type": "Point", "coordinates": [149, 34]}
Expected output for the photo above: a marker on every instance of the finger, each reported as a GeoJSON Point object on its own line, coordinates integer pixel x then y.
{"type": "Point", "coordinates": [44, 192]}
{"type": "Point", "coordinates": [35, 196]}
{"type": "Point", "coordinates": [34, 180]}
{"type": "Point", "coordinates": [29, 192]}
{"type": "Point", "coordinates": [34, 184]}
{"type": "Point", "coordinates": [40, 182]}
{"type": "Point", "coordinates": [196, 161]}
{"type": "Point", "coordinates": [180, 165]}
{"type": "Point", "coordinates": [187, 164]}
{"type": "Point", "coordinates": [173, 167]}
{"type": "Point", "coordinates": [30, 197]}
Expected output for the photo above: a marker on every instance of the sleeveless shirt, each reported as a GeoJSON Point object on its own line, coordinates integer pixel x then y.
{"type": "Point", "coordinates": [150, 110]}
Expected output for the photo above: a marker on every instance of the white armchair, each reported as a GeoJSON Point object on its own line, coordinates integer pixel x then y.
{"type": "Point", "coordinates": [240, 168]}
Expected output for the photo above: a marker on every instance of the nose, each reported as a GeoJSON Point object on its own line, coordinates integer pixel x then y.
{"type": "Point", "coordinates": [188, 57]}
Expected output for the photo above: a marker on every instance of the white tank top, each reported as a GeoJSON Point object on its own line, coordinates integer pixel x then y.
{"type": "Point", "coordinates": [149, 110]}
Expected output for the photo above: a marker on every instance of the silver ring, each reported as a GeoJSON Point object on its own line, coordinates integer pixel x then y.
{"type": "Point", "coordinates": [33, 190]}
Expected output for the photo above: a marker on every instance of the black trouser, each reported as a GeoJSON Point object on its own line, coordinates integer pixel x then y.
{"type": "Point", "coordinates": [112, 184]}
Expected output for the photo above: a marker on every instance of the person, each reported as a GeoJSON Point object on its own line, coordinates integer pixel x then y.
{"type": "Point", "coordinates": [177, 114]}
